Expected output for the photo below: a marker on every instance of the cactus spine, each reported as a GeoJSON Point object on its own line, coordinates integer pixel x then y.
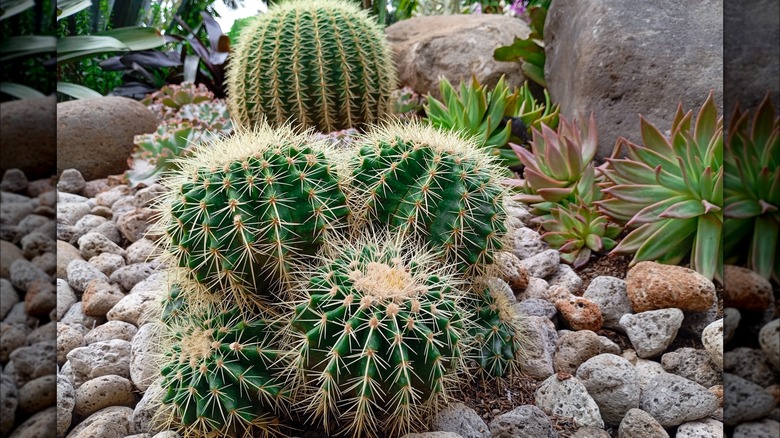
{"type": "Point", "coordinates": [242, 208]}
{"type": "Point", "coordinates": [433, 183]}
{"type": "Point", "coordinates": [379, 328]}
{"type": "Point", "coordinates": [322, 64]}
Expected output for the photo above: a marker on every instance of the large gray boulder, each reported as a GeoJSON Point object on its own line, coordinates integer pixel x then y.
{"type": "Point", "coordinates": [622, 58]}
{"type": "Point", "coordinates": [95, 136]}
{"type": "Point", "coordinates": [456, 47]}
{"type": "Point", "coordinates": [28, 136]}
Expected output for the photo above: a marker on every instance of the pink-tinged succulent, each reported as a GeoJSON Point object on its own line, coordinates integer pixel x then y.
{"type": "Point", "coordinates": [555, 164]}
{"type": "Point", "coordinates": [752, 190]}
{"type": "Point", "coordinates": [670, 190]}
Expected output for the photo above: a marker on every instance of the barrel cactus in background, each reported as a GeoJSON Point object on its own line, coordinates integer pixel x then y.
{"type": "Point", "coordinates": [242, 208]}
{"type": "Point", "coordinates": [670, 190]}
{"type": "Point", "coordinates": [221, 374]}
{"type": "Point", "coordinates": [379, 328]}
{"type": "Point", "coordinates": [433, 183]}
{"type": "Point", "coordinates": [322, 64]}
{"type": "Point", "coordinates": [495, 331]}
{"type": "Point", "coordinates": [752, 190]}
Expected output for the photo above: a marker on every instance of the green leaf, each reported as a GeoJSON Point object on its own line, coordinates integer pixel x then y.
{"type": "Point", "coordinates": [707, 254]}
{"type": "Point", "coordinates": [706, 121]}
{"type": "Point", "coordinates": [66, 8]}
{"type": "Point", "coordinates": [684, 210]}
{"type": "Point", "coordinates": [20, 91]}
{"type": "Point", "coordinates": [763, 251]}
{"type": "Point", "coordinates": [534, 73]}
{"type": "Point", "coordinates": [26, 45]}
{"type": "Point", "coordinates": [10, 8]}
{"type": "Point", "coordinates": [117, 40]}
{"type": "Point", "coordinates": [666, 242]}
{"type": "Point", "coordinates": [77, 91]}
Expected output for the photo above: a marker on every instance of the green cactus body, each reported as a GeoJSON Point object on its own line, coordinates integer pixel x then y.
{"type": "Point", "coordinates": [379, 327]}
{"type": "Point", "coordinates": [322, 64]}
{"type": "Point", "coordinates": [495, 332]}
{"type": "Point", "coordinates": [220, 375]}
{"type": "Point", "coordinates": [244, 207]}
{"type": "Point", "coordinates": [433, 183]}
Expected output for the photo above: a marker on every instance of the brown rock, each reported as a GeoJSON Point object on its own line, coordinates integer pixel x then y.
{"type": "Point", "coordinates": [653, 286]}
{"type": "Point", "coordinates": [99, 297]}
{"type": "Point", "coordinates": [512, 271]}
{"type": "Point", "coordinates": [28, 136]}
{"type": "Point", "coordinates": [579, 313]}
{"type": "Point", "coordinates": [744, 289]}
{"type": "Point", "coordinates": [718, 391]}
{"type": "Point", "coordinates": [135, 224]}
{"type": "Point", "coordinates": [456, 47]}
{"type": "Point", "coordinates": [574, 348]}
{"type": "Point", "coordinates": [95, 136]}
{"type": "Point", "coordinates": [9, 253]}
{"type": "Point", "coordinates": [66, 253]}
{"type": "Point", "coordinates": [632, 71]}
{"type": "Point", "coordinates": [41, 297]}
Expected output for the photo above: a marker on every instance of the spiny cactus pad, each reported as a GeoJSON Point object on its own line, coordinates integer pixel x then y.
{"type": "Point", "coordinates": [241, 209]}
{"type": "Point", "coordinates": [431, 182]}
{"type": "Point", "coordinates": [322, 64]}
{"type": "Point", "coordinates": [495, 332]}
{"type": "Point", "coordinates": [220, 375]}
{"type": "Point", "coordinates": [379, 328]}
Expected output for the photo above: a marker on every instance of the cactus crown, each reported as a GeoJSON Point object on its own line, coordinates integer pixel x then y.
{"type": "Point", "coordinates": [247, 205]}
{"type": "Point", "coordinates": [322, 64]}
{"type": "Point", "coordinates": [378, 327]}
{"type": "Point", "coordinates": [433, 183]}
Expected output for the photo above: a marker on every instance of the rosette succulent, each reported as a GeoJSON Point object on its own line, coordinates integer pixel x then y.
{"type": "Point", "coordinates": [752, 190]}
{"type": "Point", "coordinates": [379, 328]}
{"type": "Point", "coordinates": [670, 190]}
{"type": "Point", "coordinates": [577, 230]}
{"type": "Point", "coordinates": [167, 101]}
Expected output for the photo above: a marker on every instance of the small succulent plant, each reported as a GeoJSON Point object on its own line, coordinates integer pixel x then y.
{"type": "Point", "coordinates": [556, 164]}
{"type": "Point", "coordinates": [752, 190]}
{"type": "Point", "coordinates": [221, 374]}
{"type": "Point", "coordinates": [242, 208]}
{"type": "Point", "coordinates": [169, 99]}
{"type": "Point", "coordinates": [670, 189]}
{"type": "Point", "coordinates": [433, 183]}
{"type": "Point", "coordinates": [495, 331]}
{"type": "Point", "coordinates": [322, 64]}
{"type": "Point", "coordinates": [493, 117]}
{"type": "Point", "coordinates": [379, 329]}
{"type": "Point", "coordinates": [407, 103]}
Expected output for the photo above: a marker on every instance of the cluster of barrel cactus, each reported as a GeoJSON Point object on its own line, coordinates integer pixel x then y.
{"type": "Point", "coordinates": [342, 287]}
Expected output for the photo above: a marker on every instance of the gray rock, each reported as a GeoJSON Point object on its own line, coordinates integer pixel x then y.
{"type": "Point", "coordinates": [13, 213]}
{"type": "Point", "coordinates": [102, 392]}
{"type": "Point", "coordinates": [69, 213]}
{"type": "Point", "coordinates": [610, 295]}
{"type": "Point", "coordinates": [71, 181]}
{"type": "Point", "coordinates": [414, 435]}
{"type": "Point", "coordinates": [568, 398]}
{"type": "Point", "coordinates": [769, 339]}
{"type": "Point", "coordinates": [566, 277]}
{"type": "Point", "coordinates": [523, 421]}
{"type": "Point", "coordinates": [9, 400]}
{"type": "Point", "coordinates": [44, 332]}
{"type": "Point", "coordinates": [133, 224]}
{"type": "Point", "coordinates": [625, 69]}
{"type": "Point", "coordinates": [612, 382]}
{"type": "Point", "coordinates": [526, 242]}
{"type": "Point", "coordinates": [749, 363]}
{"type": "Point", "coordinates": [743, 400]}
{"type": "Point", "coordinates": [537, 288]}
{"type": "Point", "coordinates": [35, 244]}
{"type": "Point", "coordinates": [8, 297]}
{"type": "Point", "coordinates": [673, 400]}
{"type": "Point", "coordinates": [140, 251]}
{"type": "Point", "coordinates": [694, 323]}
{"type": "Point", "coordinates": [693, 364]}
{"type": "Point", "coordinates": [80, 273]}
{"type": "Point", "coordinates": [108, 263]}
{"type": "Point", "coordinates": [66, 253]}
{"type": "Point", "coordinates": [461, 419]}
{"type": "Point", "coordinates": [13, 336]}
{"type": "Point", "coordinates": [75, 315]}
{"type": "Point", "coordinates": [108, 150]}
{"type": "Point", "coordinates": [575, 347]}
{"type": "Point", "coordinates": [129, 276]}
{"type": "Point", "coordinates": [93, 244]}
{"type": "Point", "coordinates": [38, 394]}
{"type": "Point", "coordinates": [111, 422]}
{"type": "Point", "coordinates": [542, 265]}
{"type": "Point", "coordinates": [18, 315]}
{"type": "Point", "coordinates": [39, 425]}
{"type": "Point", "coordinates": [23, 273]}
{"type": "Point", "coordinates": [100, 359]}
{"type": "Point", "coordinates": [66, 400]}
{"type": "Point", "coordinates": [540, 348]}
{"type": "Point", "coordinates": [712, 338]}
{"type": "Point", "coordinates": [766, 428]}
{"type": "Point", "coordinates": [143, 368]}
{"type": "Point", "coordinates": [46, 262]}
{"type": "Point", "coordinates": [148, 410]}
{"type": "Point", "coordinates": [590, 432]}
{"type": "Point", "coordinates": [731, 318]}
{"type": "Point", "coordinates": [453, 46]}
{"type": "Point", "coordinates": [14, 180]}
{"type": "Point", "coordinates": [69, 337]}
{"type": "Point", "coordinates": [172, 434]}
{"type": "Point", "coordinates": [536, 307]}
{"type": "Point", "coordinates": [704, 428]}
{"type": "Point", "coordinates": [639, 424]}
{"type": "Point", "coordinates": [111, 330]}
{"type": "Point", "coordinates": [33, 223]}
{"type": "Point", "coordinates": [653, 331]}
{"type": "Point", "coordinates": [34, 361]}
{"type": "Point", "coordinates": [109, 197]}
{"type": "Point", "coordinates": [87, 224]}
